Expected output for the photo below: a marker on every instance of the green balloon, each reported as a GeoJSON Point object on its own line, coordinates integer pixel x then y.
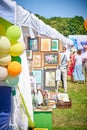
{"type": "Point", "coordinates": [16, 58]}
{"type": "Point", "coordinates": [13, 33]}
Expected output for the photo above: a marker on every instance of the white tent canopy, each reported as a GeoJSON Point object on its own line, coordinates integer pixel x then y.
{"type": "Point", "coordinates": [18, 15]}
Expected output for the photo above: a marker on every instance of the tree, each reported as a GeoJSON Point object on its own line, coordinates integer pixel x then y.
{"type": "Point", "coordinates": [66, 26]}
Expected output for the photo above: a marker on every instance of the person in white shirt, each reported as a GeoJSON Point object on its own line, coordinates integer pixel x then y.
{"type": "Point", "coordinates": [63, 68]}
{"type": "Point", "coordinates": [77, 74]}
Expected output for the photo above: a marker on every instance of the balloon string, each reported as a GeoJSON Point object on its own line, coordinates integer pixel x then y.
{"type": "Point", "coordinates": [31, 123]}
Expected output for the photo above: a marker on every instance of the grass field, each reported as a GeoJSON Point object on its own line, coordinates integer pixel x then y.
{"type": "Point", "coordinates": [74, 118]}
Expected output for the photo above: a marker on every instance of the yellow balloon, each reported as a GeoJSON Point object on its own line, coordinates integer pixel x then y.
{"type": "Point", "coordinates": [4, 61]}
{"type": "Point", "coordinates": [4, 44]}
{"type": "Point", "coordinates": [16, 49]}
{"type": "Point", "coordinates": [2, 30]}
{"type": "Point", "coordinates": [3, 73]}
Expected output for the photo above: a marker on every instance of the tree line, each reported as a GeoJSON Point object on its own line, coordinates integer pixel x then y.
{"type": "Point", "coordinates": [66, 26]}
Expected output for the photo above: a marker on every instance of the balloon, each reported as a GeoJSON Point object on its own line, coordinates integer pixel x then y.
{"type": "Point", "coordinates": [17, 58]}
{"type": "Point", "coordinates": [16, 49]}
{"type": "Point", "coordinates": [13, 33]}
{"type": "Point", "coordinates": [14, 68]}
{"type": "Point", "coordinates": [3, 73]}
{"type": "Point", "coordinates": [12, 81]}
{"type": "Point", "coordinates": [4, 61]}
{"type": "Point", "coordinates": [4, 44]}
{"type": "Point", "coordinates": [3, 54]}
{"type": "Point", "coordinates": [85, 24]}
{"type": "Point", "coordinates": [2, 30]}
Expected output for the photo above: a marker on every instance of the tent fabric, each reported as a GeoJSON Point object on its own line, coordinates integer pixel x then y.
{"type": "Point", "coordinates": [7, 7]}
{"type": "Point", "coordinates": [18, 15]}
{"type": "Point", "coordinates": [24, 83]}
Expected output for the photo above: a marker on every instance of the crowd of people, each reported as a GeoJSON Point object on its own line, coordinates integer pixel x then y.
{"type": "Point", "coordinates": [73, 64]}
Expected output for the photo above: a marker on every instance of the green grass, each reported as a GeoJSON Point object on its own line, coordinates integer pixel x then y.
{"type": "Point", "coordinates": [74, 118]}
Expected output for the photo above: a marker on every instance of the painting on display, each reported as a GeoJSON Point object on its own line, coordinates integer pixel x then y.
{"type": "Point", "coordinates": [50, 78]}
{"type": "Point", "coordinates": [29, 54]}
{"type": "Point", "coordinates": [51, 59]}
{"type": "Point", "coordinates": [45, 44]}
{"type": "Point", "coordinates": [54, 45]}
{"type": "Point", "coordinates": [37, 60]}
{"type": "Point", "coordinates": [38, 76]}
{"type": "Point", "coordinates": [33, 44]}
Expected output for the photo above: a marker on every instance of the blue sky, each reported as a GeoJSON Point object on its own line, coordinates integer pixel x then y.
{"type": "Point", "coordinates": [55, 8]}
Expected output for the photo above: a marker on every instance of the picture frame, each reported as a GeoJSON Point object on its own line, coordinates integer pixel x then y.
{"type": "Point", "coordinates": [51, 59]}
{"type": "Point", "coordinates": [29, 54]}
{"type": "Point", "coordinates": [38, 75]}
{"type": "Point", "coordinates": [45, 44]}
{"type": "Point", "coordinates": [37, 60]}
{"type": "Point", "coordinates": [30, 65]}
{"type": "Point", "coordinates": [60, 45]}
{"type": "Point", "coordinates": [50, 79]}
{"type": "Point", "coordinates": [33, 44]}
{"type": "Point", "coordinates": [54, 45]}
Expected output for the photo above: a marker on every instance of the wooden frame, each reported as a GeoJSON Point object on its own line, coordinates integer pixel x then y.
{"type": "Point", "coordinates": [33, 44]}
{"type": "Point", "coordinates": [30, 65]}
{"type": "Point", "coordinates": [45, 44]}
{"type": "Point", "coordinates": [29, 54]}
{"type": "Point", "coordinates": [54, 45]}
{"type": "Point", "coordinates": [50, 78]}
{"type": "Point", "coordinates": [38, 75]}
{"type": "Point", "coordinates": [51, 59]}
{"type": "Point", "coordinates": [37, 60]}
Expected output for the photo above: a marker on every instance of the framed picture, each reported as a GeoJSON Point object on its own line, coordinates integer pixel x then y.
{"type": "Point", "coordinates": [51, 59]}
{"type": "Point", "coordinates": [50, 78]}
{"type": "Point", "coordinates": [54, 45]}
{"type": "Point", "coordinates": [37, 60]}
{"type": "Point", "coordinates": [45, 44]}
{"type": "Point", "coordinates": [33, 44]}
{"type": "Point", "coordinates": [29, 54]}
{"type": "Point", "coordinates": [60, 45]}
{"type": "Point", "coordinates": [38, 76]}
{"type": "Point", "coordinates": [30, 65]}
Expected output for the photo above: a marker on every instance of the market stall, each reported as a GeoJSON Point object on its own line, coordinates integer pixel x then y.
{"type": "Point", "coordinates": [29, 26]}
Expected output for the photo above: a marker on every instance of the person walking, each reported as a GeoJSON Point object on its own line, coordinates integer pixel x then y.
{"type": "Point", "coordinates": [72, 64]}
{"type": "Point", "coordinates": [77, 74]}
{"type": "Point", "coordinates": [63, 68]}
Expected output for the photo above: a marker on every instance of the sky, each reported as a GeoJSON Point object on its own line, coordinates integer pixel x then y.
{"type": "Point", "coordinates": [55, 8]}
